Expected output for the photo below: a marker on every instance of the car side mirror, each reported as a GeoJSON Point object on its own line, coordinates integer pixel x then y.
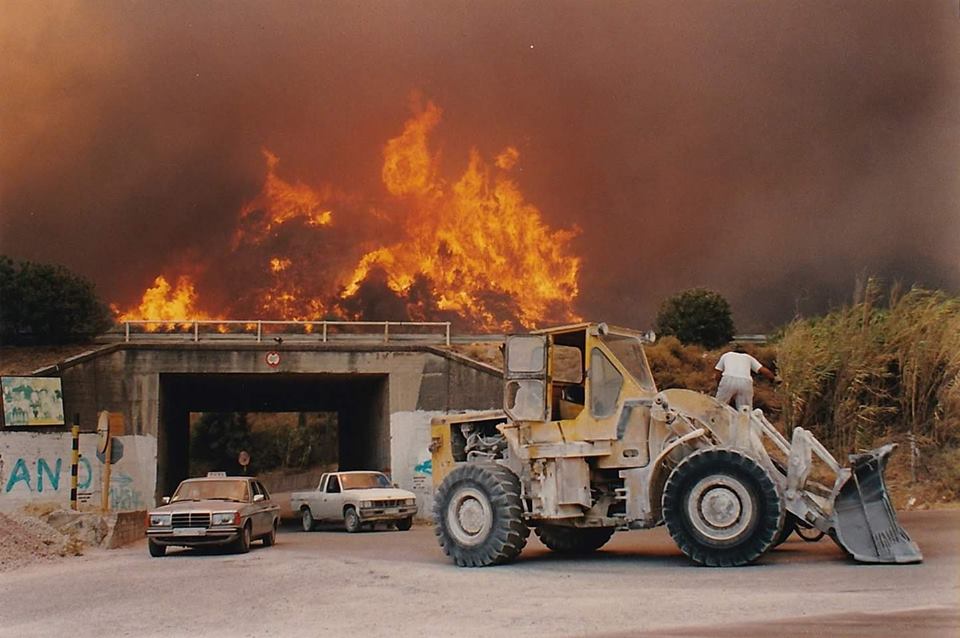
{"type": "Point", "coordinates": [258, 497]}
{"type": "Point", "coordinates": [166, 500]}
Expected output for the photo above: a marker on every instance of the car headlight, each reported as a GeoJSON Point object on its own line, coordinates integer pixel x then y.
{"type": "Point", "coordinates": [160, 520]}
{"type": "Point", "coordinates": [409, 501]}
{"type": "Point", "coordinates": [225, 518]}
{"type": "Point", "coordinates": [366, 503]}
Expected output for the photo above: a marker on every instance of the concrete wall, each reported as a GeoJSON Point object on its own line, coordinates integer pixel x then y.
{"type": "Point", "coordinates": [409, 440]}
{"type": "Point", "coordinates": [35, 468]}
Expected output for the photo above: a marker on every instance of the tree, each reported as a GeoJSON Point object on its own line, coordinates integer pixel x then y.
{"type": "Point", "coordinates": [696, 316]}
{"type": "Point", "coordinates": [216, 441]}
{"type": "Point", "coordinates": [45, 303]}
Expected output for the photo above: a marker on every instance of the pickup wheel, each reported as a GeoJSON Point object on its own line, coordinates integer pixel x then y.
{"type": "Point", "coordinates": [722, 508]}
{"type": "Point", "coordinates": [306, 520]}
{"type": "Point", "coordinates": [351, 520]}
{"type": "Point", "coordinates": [573, 540]}
{"type": "Point", "coordinates": [404, 523]}
{"type": "Point", "coordinates": [156, 550]}
{"type": "Point", "coordinates": [478, 515]}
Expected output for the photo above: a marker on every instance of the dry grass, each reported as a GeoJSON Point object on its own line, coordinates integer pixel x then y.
{"type": "Point", "coordinates": [880, 371]}
{"type": "Point", "coordinates": [675, 365]}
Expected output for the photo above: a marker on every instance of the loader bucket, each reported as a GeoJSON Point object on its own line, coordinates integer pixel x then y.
{"type": "Point", "coordinates": [866, 526]}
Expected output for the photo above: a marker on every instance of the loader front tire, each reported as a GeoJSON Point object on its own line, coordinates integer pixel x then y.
{"type": "Point", "coordinates": [722, 508]}
{"type": "Point", "coordinates": [478, 515]}
{"type": "Point", "coordinates": [573, 540]}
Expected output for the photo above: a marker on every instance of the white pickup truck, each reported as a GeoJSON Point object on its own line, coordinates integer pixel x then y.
{"type": "Point", "coordinates": [356, 499]}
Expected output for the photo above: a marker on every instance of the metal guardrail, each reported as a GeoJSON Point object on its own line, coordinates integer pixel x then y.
{"type": "Point", "coordinates": [326, 330]}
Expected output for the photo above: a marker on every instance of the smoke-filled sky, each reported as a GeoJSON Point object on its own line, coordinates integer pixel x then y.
{"type": "Point", "coordinates": [772, 151]}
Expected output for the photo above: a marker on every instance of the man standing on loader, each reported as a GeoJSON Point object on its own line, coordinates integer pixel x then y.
{"type": "Point", "coordinates": [734, 373]}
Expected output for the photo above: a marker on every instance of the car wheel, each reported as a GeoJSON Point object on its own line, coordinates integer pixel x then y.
{"type": "Point", "coordinates": [243, 542]}
{"type": "Point", "coordinates": [271, 539]}
{"type": "Point", "coordinates": [351, 520]}
{"type": "Point", "coordinates": [156, 550]}
{"type": "Point", "coordinates": [722, 508]}
{"type": "Point", "coordinates": [404, 523]}
{"type": "Point", "coordinates": [306, 520]}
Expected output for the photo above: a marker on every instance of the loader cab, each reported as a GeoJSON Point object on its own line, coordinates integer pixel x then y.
{"type": "Point", "coordinates": [579, 376]}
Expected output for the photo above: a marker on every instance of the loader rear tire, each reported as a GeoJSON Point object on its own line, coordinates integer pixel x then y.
{"type": "Point", "coordinates": [478, 515]}
{"type": "Point", "coordinates": [722, 508]}
{"type": "Point", "coordinates": [573, 540]}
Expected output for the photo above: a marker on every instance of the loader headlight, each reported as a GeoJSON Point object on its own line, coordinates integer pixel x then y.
{"type": "Point", "coordinates": [160, 520]}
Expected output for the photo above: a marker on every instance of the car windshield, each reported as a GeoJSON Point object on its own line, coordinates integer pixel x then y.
{"type": "Point", "coordinates": [225, 490]}
{"type": "Point", "coordinates": [629, 351]}
{"type": "Point", "coordinates": [363, 480]}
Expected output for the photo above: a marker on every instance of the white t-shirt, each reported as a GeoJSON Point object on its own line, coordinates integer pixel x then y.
{"type": "Point", "coordinates": [738, 364]}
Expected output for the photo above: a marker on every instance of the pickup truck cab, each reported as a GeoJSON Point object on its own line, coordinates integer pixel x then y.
{"type": "Point", "coordinates": [355, 499]}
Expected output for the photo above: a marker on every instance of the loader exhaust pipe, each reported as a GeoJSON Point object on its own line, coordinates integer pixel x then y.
{"type": "Point", "coordinates": [865, 524]}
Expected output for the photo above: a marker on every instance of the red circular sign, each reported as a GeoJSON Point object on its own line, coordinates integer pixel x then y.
{"type": "Point", "coordinates": [273, 359]}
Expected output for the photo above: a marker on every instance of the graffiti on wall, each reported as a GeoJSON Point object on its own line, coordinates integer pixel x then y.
{"type": "Point", "coordinates": [40, 474]}
{"type": "Point", "coordinates": [36, 467]}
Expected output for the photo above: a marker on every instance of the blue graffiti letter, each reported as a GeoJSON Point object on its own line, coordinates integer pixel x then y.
{"type": "Point", "coordinates": [86, 465]}
{"type": "Point", "coordinates": [20, 473]}
{"type": "Point", "coordinates": [53, 476]}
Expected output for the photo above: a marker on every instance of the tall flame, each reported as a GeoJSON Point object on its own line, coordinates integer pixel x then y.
{"type": "Point", "coordinates": [281, 202]}
{"type": "Point", "coordinates": [472, 248]}
{"type": "Point", "coordinates": [165, 303]}
{"type": "Point", "coordinates": [476, 241]}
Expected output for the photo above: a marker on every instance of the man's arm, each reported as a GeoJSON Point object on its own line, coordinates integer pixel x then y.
{"type": "Point", "coordinates": [765, 371]}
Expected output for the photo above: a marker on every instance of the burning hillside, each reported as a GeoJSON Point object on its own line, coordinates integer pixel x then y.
{"type": "Point", "coordinates": [470, 250]}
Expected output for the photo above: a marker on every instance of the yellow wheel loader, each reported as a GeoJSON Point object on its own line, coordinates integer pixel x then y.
{"type": "Point", "coordinates": [586, 446]}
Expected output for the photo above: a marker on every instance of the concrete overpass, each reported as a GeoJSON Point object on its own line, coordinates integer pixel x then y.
{"type": "Point", "coordinates": [384, 394]}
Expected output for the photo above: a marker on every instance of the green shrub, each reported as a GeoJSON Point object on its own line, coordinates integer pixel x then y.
{"type": "Point", "coordinates": [696, 316]}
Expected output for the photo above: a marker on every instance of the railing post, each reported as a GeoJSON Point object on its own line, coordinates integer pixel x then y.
{"type": "Point", "coordinates": [196, 330]}
{"type": "Point", "coordinates": [324, 331]}
{"type": "Point", "coordinates": [386, 331]}
{"type": "Point", "coordinates": [448, 333]}
{"type": "Point", "coordinates": [127, 330]}
{"type": "Point", "coordinates": [259, 330]}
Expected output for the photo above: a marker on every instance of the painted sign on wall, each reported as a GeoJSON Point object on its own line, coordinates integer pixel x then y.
{"type": "Point", "coordinates": [35, 467]}
{"type": "Point", "coordinates": [32, 401]}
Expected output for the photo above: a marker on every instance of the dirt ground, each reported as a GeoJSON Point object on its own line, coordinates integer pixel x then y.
{"type": "Point", "coordinates": [389, 583]}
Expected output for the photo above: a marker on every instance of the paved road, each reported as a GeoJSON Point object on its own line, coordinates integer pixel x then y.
{"type": "Point", "coordinates": [389, 583]}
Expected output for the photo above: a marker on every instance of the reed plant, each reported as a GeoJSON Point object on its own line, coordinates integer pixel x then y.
{"type": "Point", "coordinates": [885, 368]}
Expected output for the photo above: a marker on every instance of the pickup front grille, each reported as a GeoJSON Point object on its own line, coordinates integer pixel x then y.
{"type": "Point", "coordinates": [191, 519]}
{"type": "Point", "coordinates": [388, 503]}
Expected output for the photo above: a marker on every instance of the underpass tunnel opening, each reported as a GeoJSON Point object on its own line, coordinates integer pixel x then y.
{"type": "Point", "coordinates": [346, 413]}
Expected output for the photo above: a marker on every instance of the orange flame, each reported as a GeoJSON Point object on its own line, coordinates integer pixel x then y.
{"type": "Point", "coordinates": [281, 201]}
{"type": "Point", "coordinates": [476, 239]}
{"type": "Point", "coordinates": [473, 247]}
{"type": "Point", "coordinates": [164, 303]}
